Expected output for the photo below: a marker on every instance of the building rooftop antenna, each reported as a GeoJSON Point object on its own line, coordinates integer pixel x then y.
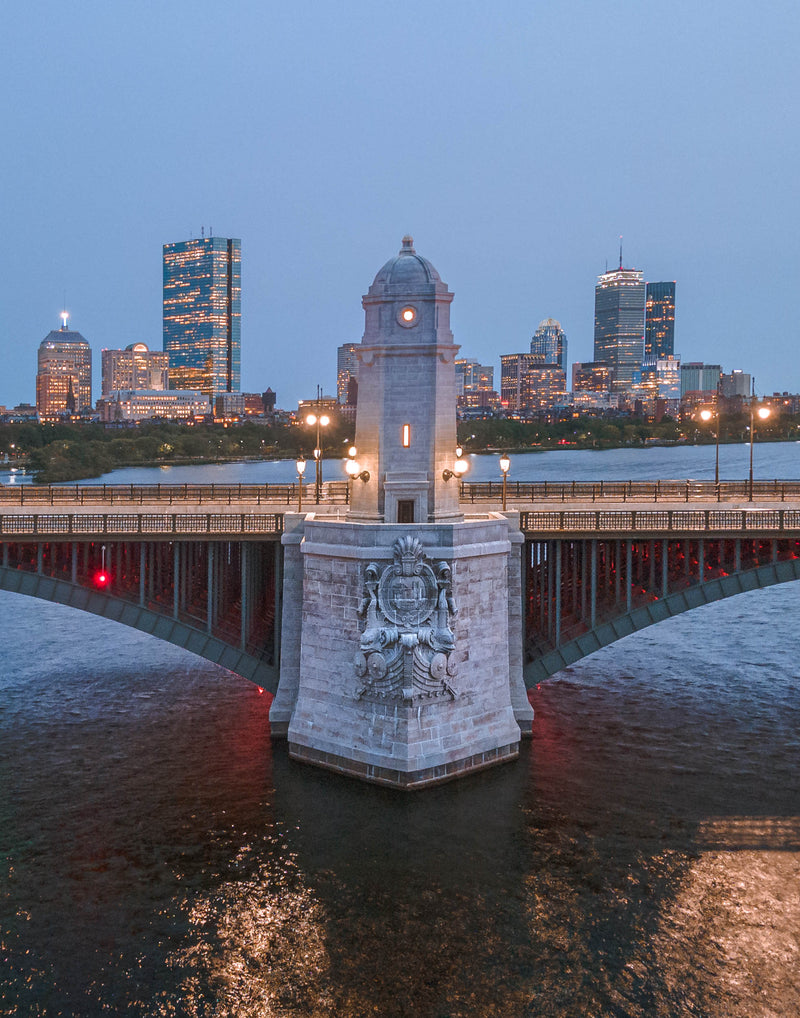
{"type": "Point", "coordinates": [620, 251]}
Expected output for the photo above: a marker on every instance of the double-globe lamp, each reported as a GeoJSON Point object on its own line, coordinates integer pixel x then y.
{"type": "Point", "coordinates": [353, 467]}
{"type": "Point", "coordinates": [460, 467]}
{"type": "Point", "coordinates": [321, 421]}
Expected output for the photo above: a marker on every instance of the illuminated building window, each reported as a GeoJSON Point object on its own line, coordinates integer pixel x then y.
{"type": "Point", "coordinates": [406, 435]}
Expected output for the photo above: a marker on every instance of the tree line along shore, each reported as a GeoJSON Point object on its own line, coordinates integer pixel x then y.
{"type": "Point", "coordinates": [56, 453]}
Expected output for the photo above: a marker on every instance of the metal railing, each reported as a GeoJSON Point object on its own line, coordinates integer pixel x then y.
{"type": "Point", "coordinates": [607, 522]}
{"type": "Point", "coordinates": [68, 525]}
{"type": "Point", "coordinates": [630, 491]}
{"type": "Point", "coordinates": [337, 492]}
{"type": "Point", "coordinates": [668, 521]}
{"type": "Point", "coordinates": [169, 494]}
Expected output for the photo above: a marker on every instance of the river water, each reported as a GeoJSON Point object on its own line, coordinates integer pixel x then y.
{"type": "Point", "coordinates": [770, 460]}
{"type": "Point", "coordinates": [160, 857]}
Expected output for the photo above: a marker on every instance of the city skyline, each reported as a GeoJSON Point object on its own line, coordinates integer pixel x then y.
{"type": "Point", "coordinates": [517, 237]}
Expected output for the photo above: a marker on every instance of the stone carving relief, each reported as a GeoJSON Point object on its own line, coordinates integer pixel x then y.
{"type": "Point", "coordinates": [407, 644]}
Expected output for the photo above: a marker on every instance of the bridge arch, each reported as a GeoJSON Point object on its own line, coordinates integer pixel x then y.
{"type": "Point", "coordinates": [211, 648]}
{"type": "Point", "coordinates": [675, 603]}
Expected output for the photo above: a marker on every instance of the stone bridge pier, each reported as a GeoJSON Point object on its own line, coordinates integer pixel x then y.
{"type": "Point", "coordinates": [401, 638]}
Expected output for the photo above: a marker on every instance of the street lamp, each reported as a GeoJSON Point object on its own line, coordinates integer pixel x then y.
{"type": "Point", "coordinates": [460, 467]}
{"type": "Point", "coordinates": [321, 421]}
{"type": "Point", "coordinates": [762, 413]}
{"type": "Point", "coordinates": [301, 469]}
{"type": "Point", "coordinates": [505, 466]}
{"type": "Point", "coordinates": [353, 467]}
{"type": "Point", "coordinates": [706, 415]}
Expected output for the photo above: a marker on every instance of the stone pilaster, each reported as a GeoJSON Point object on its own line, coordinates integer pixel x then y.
{"type": "Point", "coordinates": [291, 625]}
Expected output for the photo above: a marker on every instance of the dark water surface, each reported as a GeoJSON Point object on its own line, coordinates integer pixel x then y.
{"type": "Point", "coordinates": [161, 857]}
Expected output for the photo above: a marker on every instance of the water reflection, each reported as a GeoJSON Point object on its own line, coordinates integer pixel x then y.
{"type": "Point", "coordinates": [641, 858]}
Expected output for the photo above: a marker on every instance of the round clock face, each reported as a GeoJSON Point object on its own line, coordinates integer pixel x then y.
{"type": "Point", "coordinates": [407, 316]}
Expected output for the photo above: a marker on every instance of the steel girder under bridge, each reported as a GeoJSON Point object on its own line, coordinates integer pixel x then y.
{"type": "Point", "coordinates": [607, 574]}
{"type": "Point", "coordinates": [209, 583]}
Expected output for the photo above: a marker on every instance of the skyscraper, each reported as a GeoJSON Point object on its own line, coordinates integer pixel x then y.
{"type": "Point", "coordinates": [475, 385]}
{"type": "Point", "coordinates": [619, 300]}
{"type": "Point", "coordinates": [515, 382]}
{"type": "Point", "coordinates": [472, 376]}
{"type": "Point", "coordinates": [202, 314]}
{"type": "Point", "coordinates": [346, 371]}
{"type": "Point", "coordinates": [64, 373]}
{"type": "Point", "coordinates": [135, 367]}
{"type": "Point", "coordinates": [549, 343]}
{"type": "Point", "coordinates": [699, 377]}
{"type": "Point", "coordinates": [659, 326]}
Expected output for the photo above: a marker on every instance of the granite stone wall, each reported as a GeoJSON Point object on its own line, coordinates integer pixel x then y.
{"type": "Point", "coordinates": [399, 740]}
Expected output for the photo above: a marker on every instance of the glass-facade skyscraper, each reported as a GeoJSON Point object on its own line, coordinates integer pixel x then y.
{"type": "Point", "coordinates": [202, 314]}
{"type": "Point", "coordinates": [619, 300]}
{"type": "Point", "coordinates": [346, 371]}
{"type": "Point", "coordinates": [549, 343]}
{"type": "Point", "coordinates": [659, 326]}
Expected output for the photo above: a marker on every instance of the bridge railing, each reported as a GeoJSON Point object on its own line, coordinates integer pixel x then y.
{"type": "Point", "coordinates": [630, 491]}
{"type": "Point", "coordinates": [668, 521]}
{"type": "Point", "coordinates": [337, 492]}
{"type": "Point", "coordinates": [170, 494]}
{"type": "Point", "coordinates": [131, 524]}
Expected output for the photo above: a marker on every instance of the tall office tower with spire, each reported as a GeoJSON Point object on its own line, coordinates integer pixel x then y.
{"type": "Point", "coordinates": [619, 300]}
{"type": "Point", "coordinates": [64, 373]}
{"type": "Point", "coordinates": [347, 373]}
{"type": "Point", "coordinates": [549, 344]}
{"type": "Point", "coordinates": [659, 325]}
{"type": "Point", "coordinates": [202, 314]}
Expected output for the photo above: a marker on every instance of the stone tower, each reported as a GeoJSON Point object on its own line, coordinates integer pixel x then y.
{"type": "Point", "coordinates": [401, 638]}
{"type": "Point", "coordinates": [406, 421]}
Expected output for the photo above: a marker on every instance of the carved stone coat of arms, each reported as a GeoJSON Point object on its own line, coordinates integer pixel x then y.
{"type": "Point", "coordinates": [407, 644]}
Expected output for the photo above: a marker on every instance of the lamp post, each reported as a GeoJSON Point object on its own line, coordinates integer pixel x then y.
{"type": "Point", "coordinates": [321, 421]}
{"type": "Point", "coordinates": [301, 469]}
{"type": "Point", "coordinates": [706, 415]}
{"type": "Point", "coordinates": [505, 466]}
{"type": "Point", "coordinates": [762, 413]}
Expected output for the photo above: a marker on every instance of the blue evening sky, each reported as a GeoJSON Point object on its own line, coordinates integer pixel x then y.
{"type": "Point", "coordinates": [515, 140]}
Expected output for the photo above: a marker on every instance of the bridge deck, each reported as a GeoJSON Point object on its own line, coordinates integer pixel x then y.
{"type": "Point", "coordinates": [525, 493]}
{"type": "Point", "coordinates": [193, 520]}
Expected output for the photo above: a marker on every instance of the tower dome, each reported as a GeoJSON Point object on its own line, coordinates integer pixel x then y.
{"type": "Point", "coordinates": [407, 270]}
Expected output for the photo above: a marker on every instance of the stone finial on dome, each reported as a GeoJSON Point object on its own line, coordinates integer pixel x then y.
{"type": "Point", "coordinates": [408, 245]}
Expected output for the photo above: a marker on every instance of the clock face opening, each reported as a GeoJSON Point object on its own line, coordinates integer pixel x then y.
{"type": "Point", "coordinates": [407, 316]}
